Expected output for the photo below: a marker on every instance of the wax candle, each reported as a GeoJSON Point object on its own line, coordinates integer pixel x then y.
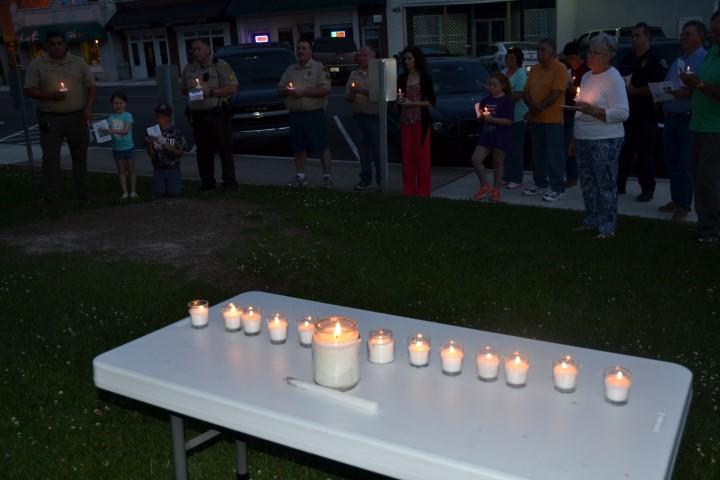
{"type": "Point", "coordinates": [278, 328]}
{"type": "Point", "coordinates": [516, 369]}
{"type": "Point", "coordinates": [336, 352]}
{"type": "Point", "coordinates": [451, 357]}
{"type": "Point", "coordinates": [419, 350]}
{"type": "Point", "coordinates": [251, 320]}
{"type": "Point", "coordinates": [617, 384]}
{"type": "Point", "coordinates": [198, 310]}
{"type": "Point", "coordinates": [565, 372]}
{"type": "Point", "coordinates": [488, 364]}
{"type": "Point", "coordinates": [62, 88]}
{"type": "Point", "coordinates": [197, 83]}
{"type": "Point", "coordinates": [231, 315]}
{"type": "Point", "coordinates": [306, 327]}
{"type": "Point", "coordinates": [352, 85]}
{"type": "Point", "coordinates": [577, 92]}
{"type": "Point", "coordinates": [486, 112]}
{"type": "Point", "coordinates": [290, 86]}
{"type": "Point", "coordinates": [381, 346]}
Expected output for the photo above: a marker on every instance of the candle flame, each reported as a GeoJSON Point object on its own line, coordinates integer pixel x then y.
{"type": "Point", "coordinates": [353, 85]}
{"type": "Point", "coordinates": [564, 365]}
{"type": "Point", "coordinates": [577, 90]}
{"type": "Point", "coordinates": [232, 307]}
{"type": "Point", "coordinates": [418, 344]}
{"type": "Point", "coordinates": [276, 320]}
{"type": "Point", "coordinates": [488, 355]}
{"type": "Point", "coordinates": [197, 82]}
{"type": "Point", "coordinates": [62, 84]}
{"type": "Point", "coordinates": [517, 360]}
{"type": "Point", "coordinates": [307, 324]}
{"type": "Point", "coordinates": [619, 375]}
{"type": "Point", "coordinates": [338, 329]}
{"type": "Point", "coordinates": [452, 349]}
{"type": "Point", "coordinates": [290, 85]}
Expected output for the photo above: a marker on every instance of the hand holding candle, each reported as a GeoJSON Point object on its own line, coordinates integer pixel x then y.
{"type": "Point", "coordinates": [231, 315]}
{"type": "Point", "coordinates": [198, 310]}
{"type": "Point", "coordinates": [278, 327]}
{"type": "Point", "coordinates": [419, 350]}
{"type": "Point", "coordinates": [565, 372]}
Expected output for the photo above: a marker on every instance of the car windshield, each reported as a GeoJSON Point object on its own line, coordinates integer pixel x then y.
{"type": "Point", "coordinates": [254, 69]}
{"type": "Point", "coordinates": [457, 78]}
{"type": "Point", "coordinates": [334, 45]}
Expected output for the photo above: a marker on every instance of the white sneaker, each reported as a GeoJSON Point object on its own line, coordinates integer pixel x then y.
{"type": "Point", "coordinates": [327, 181]}
{"type": "Point", "coordinates": [534, 190]}
{"type": "Point", "coordinates": [513, 185]}
{"type": "Point", "coordinates": [298, 181]}
{"type": "Point", "coordinates": [125, 196]}
{"type": "Point", "coordinates": [553, 196]}
{"type": "Point", "coordinates": [133, 195]}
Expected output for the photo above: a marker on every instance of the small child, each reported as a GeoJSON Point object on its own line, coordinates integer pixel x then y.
{"type": "Point", "coordinates": [165, 151]}
{"type": "Point", "coordinates": [495, 117]}
{"type": "Point", "coordinates": [123, 147]}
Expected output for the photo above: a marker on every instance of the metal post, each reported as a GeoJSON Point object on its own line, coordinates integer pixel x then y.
{"type": "Point", "coordinates": [382, 108]}
{"type": "Point", "coordinates": [167, 85]}
{"type": "Point", "coordinates": [241, 460]}
{"type": "Point", "coordinates": [178, 441]}
{"type": "Point", "coordinates": [16, 81]}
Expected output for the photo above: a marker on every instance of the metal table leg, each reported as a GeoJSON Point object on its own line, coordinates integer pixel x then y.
{"type": "Point", "coordinates": [178, 440]}
{"type": "Point", "coordinates": [241, 460]}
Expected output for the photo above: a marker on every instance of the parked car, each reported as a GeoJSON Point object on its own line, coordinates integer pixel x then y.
{"type": "Point", "coordinates": [338, 55]}
{"type": "Point", "coordinates": [438, 50]}
{"type": "Point", "coordinates": [493, 56]}
{"type": "Point", "coordinates": [257, 110]}
{"type": "Point", "coordinates": [622, 35]}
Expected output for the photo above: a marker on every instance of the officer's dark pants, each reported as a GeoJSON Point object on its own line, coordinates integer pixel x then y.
{"type": "Point", "coordinates": [213, 134]}
{"type": "Point", "coordinates": [640, 137]}
{"type": "Point", "coordinates": [54, 128]}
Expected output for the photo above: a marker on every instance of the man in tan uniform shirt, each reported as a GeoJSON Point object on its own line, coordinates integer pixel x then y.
{"type": "Point", "coordinates": [305, 87]}
{"type": "Point", "coordinates": [66, 92]}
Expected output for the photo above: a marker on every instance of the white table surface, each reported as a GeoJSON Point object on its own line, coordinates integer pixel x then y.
{"type": "Point", "coordinates": [430, 426]}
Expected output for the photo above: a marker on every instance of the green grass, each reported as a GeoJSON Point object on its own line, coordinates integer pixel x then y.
{"type": "Point", "coordinates": [650, 292]}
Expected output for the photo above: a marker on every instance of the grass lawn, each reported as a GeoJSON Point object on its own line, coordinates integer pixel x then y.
{"type": "Point", "coordinates": [650, 292]}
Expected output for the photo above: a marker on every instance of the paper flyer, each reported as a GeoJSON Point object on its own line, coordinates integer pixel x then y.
{"type": "Point", "coordinates": [98, 127]}
{"type": "Point", "coordinates": [661, 91]}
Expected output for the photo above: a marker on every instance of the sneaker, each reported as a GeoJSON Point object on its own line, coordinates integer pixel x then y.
{"type": "Point", "coordinates": [570, 183]}
{"type": "Point", "coordinates": [361, 186]}
{"type": "Point", "coordinates": [680, 215]}
{"type": "Point", "coordinates": [553, 196]}
{"type": "Point", "coordinates": [327, 181]}
{"type": "Point", "coordinates": [482, 193]}
{"type": "Point", "coordinates": [298, 181]}
{"type": "Point", "coordinates": [644, 197]}
{"type": "Point", "coordinates": [495, 195]}
{"type": "Point", "coordinates": [534, 190]}
{"type": "Point", "coordinates": [125, 196]}
{"type": "Point", "coordinates": [605, 236]}
{"type": "Point", "coordinates": [708, 240]}
{"type": "Point", "coordinates": [133, 195]}
{"type": "Point", "coordinates": [513, 185]}
{"type": "Point", "coordinates": [669, 207]}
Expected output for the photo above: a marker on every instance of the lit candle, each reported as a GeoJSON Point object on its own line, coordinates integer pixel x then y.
{"type": "Point", "coordinates": [231, 314]}
{"type": "Point", "coordinates": [451, 356]}
{"type": "Point", "coordinates": [617, 384]}
{"type": "Point", "coordinates": [565, 373]}
{"type": "Point", "coordinates": [352, 85]}
{"type": "Point", "coordinates": [400, 94]}
{"type": "Point", "coordinates": [486, 112]}
{"type": "Point", "coordinates": [336, 352]}
{"type": "Point", "coordinates": [516, 370]}
{"type": "Point", "coordinates": [381, 346]}
{"type": "Point", "coordinates": [577, 92]}
{"type": "Point", "coordinates": [251, 320]}
{"type": "Point", "coordinates": [290, 86]}
{"type": "Point", "coordinates": [197, 83]}
{"type": "Point", "coordinates": [62, 88]}
{"type": "Point", "coordinates": [198, 310]}
{"type": "Point", "coordinates": [419, 350]}
{"type": "Point", "coordinates": [688, 70]}
{"type": "Point", "coordinates": [278, 328]}
{"type": "Point", "coordinates": [488, 364]}
{"type": "Point", "coordinates": [305, 327]}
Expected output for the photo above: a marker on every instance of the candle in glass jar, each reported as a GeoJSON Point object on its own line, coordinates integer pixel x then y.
{"type": "Point", "coordinates": [516, 369]}
{"type": "Point", "coordinates": [419, 350]}
{"type": "Point", "coordinates": [306, 327]}
{"type": "Point", "coordinates": [451, 356]}
{"type": "Point", "coordinates": [488, 364]}
{"type": "Point", "coordinates": [565, 372]}
{"type": "Point", "coordinates": [251, 320]}
{"type": "Point", "coordinates": [381, 346]}
{"type": "Point", "coordinates": [231, 315]}
{"type": "Point", "coordinates": [277, 327]}
{"type": "Point", "coordinates": [617, 384]}
{"type": "Point", "coordinates": [336, 352]}
{"type": "Point", "coordinates": [198, 310]}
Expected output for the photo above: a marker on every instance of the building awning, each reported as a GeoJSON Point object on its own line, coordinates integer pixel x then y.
{"type": "Point", "coordinates": [249, 7]}
{"type": "Point", "coordinates": [153, 13]}
{"type": "Point", "coordinates": [73, 32]}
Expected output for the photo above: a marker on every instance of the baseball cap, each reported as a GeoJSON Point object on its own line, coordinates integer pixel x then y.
{"type": "Point", "coordinates": [163, 108]}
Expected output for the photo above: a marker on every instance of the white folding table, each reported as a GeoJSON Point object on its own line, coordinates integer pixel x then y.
{"type": "Point", "coordinates": [429, 425]}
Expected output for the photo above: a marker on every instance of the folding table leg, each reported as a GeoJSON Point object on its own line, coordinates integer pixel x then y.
{"type": "Point", "coordinates": [241, 460]}
{"type": "Point", "coordinates": [178, 440]}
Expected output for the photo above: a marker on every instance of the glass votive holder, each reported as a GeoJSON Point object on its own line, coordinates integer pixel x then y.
{"type": "Point", "coordinates": [419, 350]}
{"type": "Point", "coordinates": [516, 369]}
{"type": "Point", "coordinates": [488, 364]}
{"type": "Point", "coordinates": [231, 315]}
{"type": "Point", "coordinates": [306, 327]}
{"type": "Point", "coordinates": [565, 373]}
{"type": "Point", "coordinates": [198, 310]}
{"type": "Point", "coordinates": [251, 320]}
{"type": "Point", "coordinates": [451, 357]}
{"type": "Point", "coordinates": [381, 346]}
{"type": "Point", "coordinates": [278, 328]}
{"type": "Point", "coordinates": [617, 385]}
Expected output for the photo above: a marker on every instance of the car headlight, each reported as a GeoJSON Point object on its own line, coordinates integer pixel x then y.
{"type": "Point", "coordinates": [440, 127]}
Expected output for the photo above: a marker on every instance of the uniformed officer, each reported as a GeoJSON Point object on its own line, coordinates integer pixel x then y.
{"type": "Point", "coordinates": [65, 88]}
{"type": "Point", "coordinates": [639, 68]}
{"type": "Point", "coordinates": [305, 87]}
{"type": "Point", "coordinates": [206, 82]}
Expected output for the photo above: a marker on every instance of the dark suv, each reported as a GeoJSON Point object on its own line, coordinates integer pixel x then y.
{"type": "Point", "coordinates": [338, 55]}
{"type": "Point", "coordinates": [258, 111]}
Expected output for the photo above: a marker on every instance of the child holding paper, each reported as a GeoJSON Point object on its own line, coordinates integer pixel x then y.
{"type": "Point", "coordinates": [123, 147]}
{"type": "Point", "coordinates": [165, 145]}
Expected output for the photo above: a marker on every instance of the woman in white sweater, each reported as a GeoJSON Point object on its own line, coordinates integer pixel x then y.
{"type": "Point", "coordinates": [602, 105]}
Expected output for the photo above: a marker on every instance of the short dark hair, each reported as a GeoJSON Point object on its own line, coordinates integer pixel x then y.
{"type": "Point", "coordinates": [310, 44]}
{"type": "Point", "coordinates": [418, 55]}
{"type": "Point", "coordinates": [697, 25]}
{"type": "Point", "coordinates": [205, 41]}
{"type": "Point", "coordinates": [54, 34]}
{"type": "Point", "coordinates": [571, 48]}
{"type": "Point", "coordinates": [550, 42]}
{"type": "Point", "coordinates": [645, 29]}
{"type": "Point", "coordinates": [118, 94]}
{"type": "Point", "coordinates": [518, 54]}
{"type": "Point", "coordinates": [503, 81]}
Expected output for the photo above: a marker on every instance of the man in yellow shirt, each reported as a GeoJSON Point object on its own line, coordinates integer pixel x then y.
{"type": "Point", "coordinates": [544, 95]}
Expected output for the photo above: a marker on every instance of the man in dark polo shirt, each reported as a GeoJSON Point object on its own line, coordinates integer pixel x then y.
{"type": "Point", "coordinates": [639, 68]}
{"type": "Point", "coordinates": [66, 92]}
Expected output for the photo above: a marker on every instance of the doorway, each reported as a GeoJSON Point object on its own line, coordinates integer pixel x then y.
{"type": "Point", "coordinates": [147, 51]}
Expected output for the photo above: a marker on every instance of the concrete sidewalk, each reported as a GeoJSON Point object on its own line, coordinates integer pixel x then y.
{"type": "Point", "coordinates": [448, 182]}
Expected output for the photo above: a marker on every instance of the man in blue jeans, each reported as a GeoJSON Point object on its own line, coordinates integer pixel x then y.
{"type": "Point", "coordinates": [365, 120]}
{"type": "Point", "coordinates": [676, 134]}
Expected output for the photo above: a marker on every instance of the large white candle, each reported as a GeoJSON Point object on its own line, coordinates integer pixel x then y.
{"type": "Point", "coordinates": [451, 356]}
{"type": "Point", "coordinates": [381, 346]}
{"type": "Point", "coordinates": [251, 320]}
{"type": "Point", "coordinates": [617, 384]}
{"type": "Point", "coordinates": [231, 315]}
{"type": "Point", "coordinates": [336, 350]}
{"type": "Point", "coordinates": [198, 310]}
{"type": "Point", "coordinates": [419, 350]}
{"type": "Point", "coordinates": [565, 373]}
{"type": "Point", "coordinates": [516, 369]}
{"type": "Point", "coordinates": [306, 327]}
{"type": "Point", "coordinates": [488, 364]}
{"type": "Point", "coordinates": [277, 327]}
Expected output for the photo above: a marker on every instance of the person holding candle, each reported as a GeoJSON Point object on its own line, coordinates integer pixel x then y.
{"type": "Point", "coordinates": [515, 161]}
{"type": "Point", "coordinates": [576, 69]}
{"type": "Point", "coordinates": [418, 95]}
{"type": "Point", "coordinates": [123, 147]}
{"type": "Point", "coordinates": [495, 122]}
{"type": "Point", "coordinates": [598, 136]}
{"type": "Point", "coordinates": [65, 89]}
{"type": "Point", "coordinates": [165, 153]}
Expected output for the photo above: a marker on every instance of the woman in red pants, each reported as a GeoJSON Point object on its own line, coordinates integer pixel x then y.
{"type": "Point", "coordinates": [415, 97]}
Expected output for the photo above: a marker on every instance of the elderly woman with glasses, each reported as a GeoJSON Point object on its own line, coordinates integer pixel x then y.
{"type": "Point", "coordinates": [602, 107]}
